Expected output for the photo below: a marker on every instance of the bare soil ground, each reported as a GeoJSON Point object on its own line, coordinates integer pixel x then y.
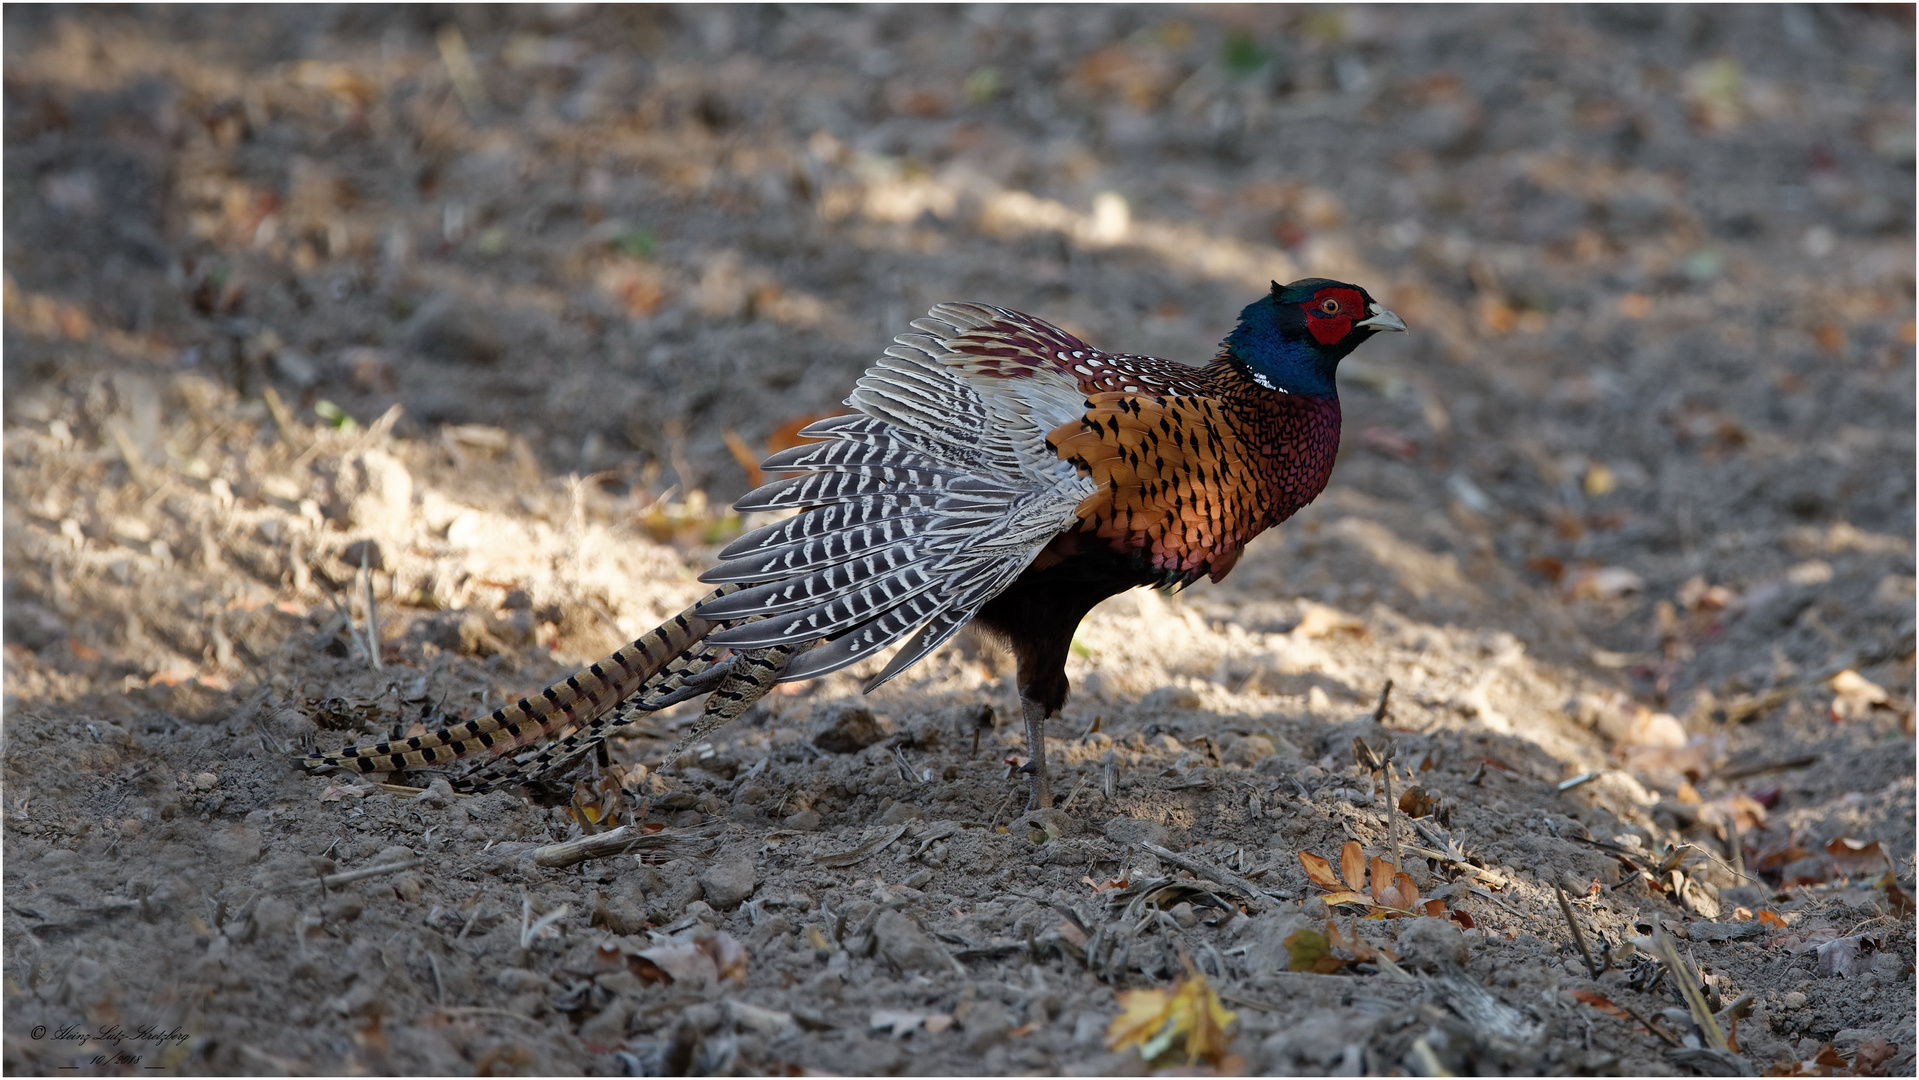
{"type": "Point", "coordinates": [504, 302]}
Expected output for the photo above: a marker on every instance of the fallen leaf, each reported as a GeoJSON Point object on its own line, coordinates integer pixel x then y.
{"type": "Point", "coordinates": [1337, 898]}
{"type": "Point", "coordinates": [1871, 1056]}
{"type": "Point", "coordinates": [1154, 1020]}
{"type": "Point", "coordinates": [1318, 871]}
{"type": "Point", "coordinates": [1846, 957]}
{"type": "Point", "coordinates": [1851, 856]}
{"type": "Point", "coordinates": [1352, 866]}
{"type": "Point", "coordinates": [1856, 696]}
{"type": "Point", "coordinates": [1416, 803]}
{"type": "Point", "coordinates": [336, 792]}
{"type": "Point", "coordinates": [1308, 950]}
{"type": "Point", "coordinates": [1598, 1001]}
{"type": "Point", "coordinates": [1604, 583]}
{"type": "Point", "coordinates": [1382, 879]}
{"type": "Point", "coordinates": [1771, 918]}
{"type": "Point", "coordinates": [704, 958]}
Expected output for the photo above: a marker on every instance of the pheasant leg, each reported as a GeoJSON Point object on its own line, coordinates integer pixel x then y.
{"type": "Point", "coordinates": [1042, 792]}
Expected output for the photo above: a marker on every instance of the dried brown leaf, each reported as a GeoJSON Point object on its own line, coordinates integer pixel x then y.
{"type": "Point", "coordinates": [1599, 1001]}
{"type": "Point", "coordinates": [1851, 856]}
{"type": "Point", "coordinates": [1319, 871]}
{"type": "Point", "coordinates": [1352, 866]}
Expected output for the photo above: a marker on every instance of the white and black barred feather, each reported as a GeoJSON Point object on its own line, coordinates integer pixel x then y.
{"type": "Point", "coordinates": [914, 512]}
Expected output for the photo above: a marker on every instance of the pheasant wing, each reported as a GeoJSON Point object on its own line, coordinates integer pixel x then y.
{"type": "Point", "coordinates": [920, 507]}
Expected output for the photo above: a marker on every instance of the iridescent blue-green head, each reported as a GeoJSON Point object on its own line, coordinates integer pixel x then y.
{"type": "Point", "coordinates": [1292, 339]}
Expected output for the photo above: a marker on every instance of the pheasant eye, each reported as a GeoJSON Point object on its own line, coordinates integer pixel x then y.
{"type": "Point", "coordinates": [1329, 306]}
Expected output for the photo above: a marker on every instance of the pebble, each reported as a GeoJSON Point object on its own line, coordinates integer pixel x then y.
{"type": "Point", "coordinates": [1247, 750]}
{"type": "Point", "coordinates": [906, 946]}
{"type": "Point", "coordinates": [900, 813]}
{"type": "Point", "coordinates": [1429, 940]}
{"type": "Point", "coordinates": [847, 729]}
{"type": "Point", "coordinates": [607, 1028]}
{"type": "Point", "coordinates": [1132, 830]}
{"type": "Point", "coordinates": [729, 882]}
{"type": "Point", "coordinates": [804, 821]}
{"type": "Point", "coordinates": [1793, 1000]}
{"type": "Point", "coordinates": [986, 1025]}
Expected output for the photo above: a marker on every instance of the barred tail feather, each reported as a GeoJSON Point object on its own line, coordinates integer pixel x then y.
{"type": "Point", "coordinates": [578, 699]}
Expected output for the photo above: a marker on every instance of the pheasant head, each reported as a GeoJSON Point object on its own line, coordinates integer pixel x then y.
{"type": "Point", "coordinates": [1293, 338]}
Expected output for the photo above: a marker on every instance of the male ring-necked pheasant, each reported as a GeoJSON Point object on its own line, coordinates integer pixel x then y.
{"type": "Point", "coordinates": [996, 470]}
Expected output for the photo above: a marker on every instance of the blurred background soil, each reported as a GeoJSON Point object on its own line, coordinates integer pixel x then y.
{"type": "Point", "coordinates": [505, 303]}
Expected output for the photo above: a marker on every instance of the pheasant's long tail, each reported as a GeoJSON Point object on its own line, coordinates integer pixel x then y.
{"type": "Point", "coordinates": [687, 675]}
{"type": "Point", "coordinates": [580, 698]}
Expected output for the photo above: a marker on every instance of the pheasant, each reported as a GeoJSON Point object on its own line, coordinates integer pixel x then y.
{"type": "Point", "coordinates": [996, 471]}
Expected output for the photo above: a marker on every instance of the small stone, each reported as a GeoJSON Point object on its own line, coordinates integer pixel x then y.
{"type": "Point", "coordinates": [1182, 914]}
{"type": "Point", "coordinates": [1429, 941]}
{"type": "Point", "coordinates": [906, 946]}
{"type": "Point", "coordinates": [986, 1026]}
{"type": "Point", "coordinates": [804, 821]}
{"type": "Point", "coordinates": [1089, 1029]}
{"type": "Point", "coordinates": [847, 729]}
{"type": "Point", "coordinates": [289, 728]}
{"type": "Point", "coordinates": [607, 1028]}
{"type": "Point", "coordinates": [344, 907]}
{"type": "Point", "coordinates": [205, 781]}
{"type": "Point", "coordinates": [1132, 830]}
{"type": "Point", "coordinates": [1793, 1000]}
{"type": "Point", "coordinates": [900, 813]}
{"type": "Point", "coordinates": [516, 980]}
{"type": "Point", "coordinates": [727, 883]}
{"type": "Point", "coordinates": [1247, 750]}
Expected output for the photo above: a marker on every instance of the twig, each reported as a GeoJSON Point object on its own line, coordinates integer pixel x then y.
{"type": "Point", "coordinates": [1392, 807]}
{"type": "Point", "coordinates": [1201, 868]}
{"type": "Point", "coordinates": [283, 419]}
{"type": "Point", "coordinates": [1738, 847]}
{"type": "Point", "coordinates": [372, 610]}
{"type": "Point", "coordinates": [1385, 694]}
{"type": "Point", "coordinates": [1084, 779]}
{"type": "Point", "coordinates": [1579, 936]}
{"type": "Point", "coordinates": [1740, 772]}
{"type": "Point", "coordinates": [1702, 1017]}
{"type": "Point", "coordinates": [486, 1010]}
{"type": "Point", "coordinates": [334, 881]}
{"type": "Point", "coordinates": [1251, 1003]}
{"type": "Point", "coordinates": [621, 841]}
{"type": "Point", "coordinates": [1649, 1025]}
{"type": "Point", "coordinates": [994, 824]}
{"type": "Point", "coordinates": [1582, 778]}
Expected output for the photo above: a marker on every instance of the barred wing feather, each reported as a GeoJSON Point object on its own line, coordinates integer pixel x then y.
{"type": "Point", "coordinates": [919, 508]}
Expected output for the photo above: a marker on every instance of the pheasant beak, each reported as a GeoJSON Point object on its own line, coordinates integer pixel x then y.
{"type": "Point", "coordinates": [1381, 320]}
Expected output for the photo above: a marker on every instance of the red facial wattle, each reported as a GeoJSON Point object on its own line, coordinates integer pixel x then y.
{"type": "Point", "coordinates": [1329, 327]}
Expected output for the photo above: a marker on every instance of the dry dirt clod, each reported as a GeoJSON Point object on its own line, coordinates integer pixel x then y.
{"type": "Point", "coordinates": [848, 729]}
